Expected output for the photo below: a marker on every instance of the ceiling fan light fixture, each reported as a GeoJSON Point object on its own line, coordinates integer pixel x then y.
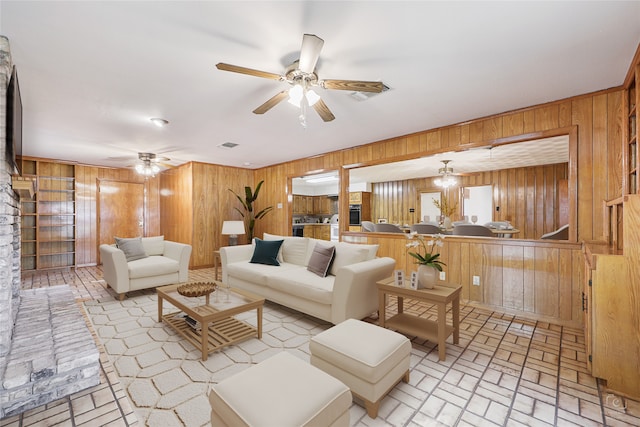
{"type": "Point", "coordinates": [147, 168]}
{"type": "Point", "coordinates": [312, 97]}
{"type": "Point", "coordinates": [445, 181]}
{"type": "Point", "coordinates": [295, 95]}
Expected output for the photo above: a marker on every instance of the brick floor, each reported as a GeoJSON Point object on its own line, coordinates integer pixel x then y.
{"type": "Point", "coordinates": [506, 371]}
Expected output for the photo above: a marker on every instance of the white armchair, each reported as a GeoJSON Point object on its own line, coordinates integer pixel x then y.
{"type": "Point", "coordinates": [166, 263]}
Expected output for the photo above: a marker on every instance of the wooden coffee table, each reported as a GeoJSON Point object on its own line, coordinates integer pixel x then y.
{"type": "Point", "coordinates": [215, 315]}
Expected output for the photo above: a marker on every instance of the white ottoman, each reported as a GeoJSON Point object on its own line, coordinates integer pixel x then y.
{"type": "Point", "coordinates": [369, 359]}
{"type": "Point", "coordinates": [280, 391]}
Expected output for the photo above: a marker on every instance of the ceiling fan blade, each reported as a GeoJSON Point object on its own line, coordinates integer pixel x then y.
{"type": "Point", "coordinates": [272, 102]}
{"type": "Point", "coordinates": [309, 52]}
{"type": "Point", "coordinates": [249, 71]}
{"type": "Point", "coordinates": [355, 85]}
{"type": "Point", "coordinates": [324, 112]}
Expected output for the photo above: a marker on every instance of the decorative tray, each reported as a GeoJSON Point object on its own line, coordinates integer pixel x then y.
{"type": "Point", "coordinates": [197, 289]}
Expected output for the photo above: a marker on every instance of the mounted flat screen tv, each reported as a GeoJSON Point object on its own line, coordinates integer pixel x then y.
{"type": "Point", "coordinates": [14, 124]}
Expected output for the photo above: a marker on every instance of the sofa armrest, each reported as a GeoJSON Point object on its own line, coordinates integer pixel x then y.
{"type": "Point", "coordinates": [114, 267]}
{"type": "Point", "coordinates": [231, 254]}
{"type": "Point", "coordinates": [355, 294]}
{"type": "Point", "coordinates": [181, 252]}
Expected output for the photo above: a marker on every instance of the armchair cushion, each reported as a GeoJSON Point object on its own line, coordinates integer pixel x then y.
{"type": "Point", "coordinates": [153, 245]}
{"type": "Point", "coordinates": [132, 248]}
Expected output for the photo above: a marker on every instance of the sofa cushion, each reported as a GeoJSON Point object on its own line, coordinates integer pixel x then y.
{"type": "Point", "coordinates": [153, 245]}
{"type": "Point", "coordinates": [266, 252]}
{"type": "Point", "coordinates": [132, 248]}
{"type": "Point", "coordinates": [257, 273]}
{"type": "Point", "coordinates": [347, 254]}
{"type": "Point", "coordinates": [294, 249]}
{"type": "Point", "coordinates": [321, 259]}
{"type": "Point", "coordinates": [152, 266]}
{"type": "Point", "coordinates": [303, 284]}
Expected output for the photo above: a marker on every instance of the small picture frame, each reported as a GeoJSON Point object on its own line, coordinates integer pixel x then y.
{"type": "Point", "coordinates": [398, 277]}
{"type": "Point", "coordinates": [414, 280]}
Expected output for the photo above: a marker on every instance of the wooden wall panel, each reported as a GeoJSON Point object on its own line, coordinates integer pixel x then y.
{"type": "Point", "coordinates": [535, 279]}
{"type": "Point", "coordinates": [176, 204]}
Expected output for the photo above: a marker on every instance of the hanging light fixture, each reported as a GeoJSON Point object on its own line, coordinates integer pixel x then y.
{"type": "Point", "coordinates": [446, 180]}
{"type": "Point", "coordinates": [302, 97]}
{"type": "Point", "coordinates": [147, 168]}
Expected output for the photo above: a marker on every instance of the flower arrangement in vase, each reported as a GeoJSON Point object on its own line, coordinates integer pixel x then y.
{"type": "Point", "coordinates": [446, 210]}
{"type": "Point", "coordinates": [426, 257]}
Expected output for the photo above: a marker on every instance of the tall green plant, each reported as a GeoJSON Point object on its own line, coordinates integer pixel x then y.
{"type": "Point", "coordinates": [249, 215]}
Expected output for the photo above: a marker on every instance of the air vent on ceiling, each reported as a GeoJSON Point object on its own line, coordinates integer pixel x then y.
{"type": "Point", "coordinates": [228, 145]}
{"type": "Point", "coordinates": [363, 96]}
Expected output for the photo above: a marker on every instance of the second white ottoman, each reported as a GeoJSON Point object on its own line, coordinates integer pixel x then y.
{"type": "Point", "coordinates": [369, 359]}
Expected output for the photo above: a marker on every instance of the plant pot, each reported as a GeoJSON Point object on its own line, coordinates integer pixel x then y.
{"type": "Point", "coordinates": [427, 277]}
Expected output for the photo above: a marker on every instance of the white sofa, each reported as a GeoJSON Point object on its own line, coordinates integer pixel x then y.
{"type": "Point", "coordinates": [165, 263]}
{"type": "Point", "coordinates": [348, 291]}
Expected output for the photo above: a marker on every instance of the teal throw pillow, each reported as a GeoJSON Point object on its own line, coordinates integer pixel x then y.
{"type": "Point", "coordinates": [266, 252]}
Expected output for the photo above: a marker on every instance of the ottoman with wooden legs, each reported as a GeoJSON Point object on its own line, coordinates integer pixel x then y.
{"type": "Point", "coordinates": [369, 359]}
{"type": "Point", "coordinates": [281, 391]}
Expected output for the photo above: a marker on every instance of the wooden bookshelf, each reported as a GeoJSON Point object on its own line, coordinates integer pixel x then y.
{"type": "Point", "coordinates": [48, 223]}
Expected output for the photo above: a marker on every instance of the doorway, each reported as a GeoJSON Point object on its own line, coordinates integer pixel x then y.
{"type": "Point", "coordinates": [120, 210]}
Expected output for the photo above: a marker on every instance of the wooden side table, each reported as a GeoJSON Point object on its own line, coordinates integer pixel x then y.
{"type": "Point", "coordinates": [417, 326]}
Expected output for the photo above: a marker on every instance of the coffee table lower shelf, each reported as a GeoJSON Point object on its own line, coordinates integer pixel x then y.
{"type": "Point", "coordinates": [220, 333]}
{"type": "Point", "coordinates": [416, 326]}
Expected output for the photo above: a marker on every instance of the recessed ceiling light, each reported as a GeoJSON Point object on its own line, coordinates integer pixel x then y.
{"type": "Point", "coordinates": [159, 122]}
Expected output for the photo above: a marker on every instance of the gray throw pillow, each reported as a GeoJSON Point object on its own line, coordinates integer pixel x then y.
{"type": "Point", "coordinates": [132, 248]}
{"type": "Point", "coordinates": [321, 259]}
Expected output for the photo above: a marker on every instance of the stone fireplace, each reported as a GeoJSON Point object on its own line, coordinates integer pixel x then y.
{"type": "Point", "coordinates": [46, 349]}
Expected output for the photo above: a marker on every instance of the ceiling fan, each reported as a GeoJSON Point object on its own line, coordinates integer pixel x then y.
{"type": "Point", "coordinates": [302, 77]}
{"type": "Point", "coordinates": [447, 175]}
{"type": "Point", "coordinates": [149, 164]}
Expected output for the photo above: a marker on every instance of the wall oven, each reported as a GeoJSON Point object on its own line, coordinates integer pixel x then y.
{"type": "Point", "coordinates": [355, 214]}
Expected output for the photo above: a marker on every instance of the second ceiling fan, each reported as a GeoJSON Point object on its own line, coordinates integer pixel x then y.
{"type": "Point", "coordinates": [302, 77]}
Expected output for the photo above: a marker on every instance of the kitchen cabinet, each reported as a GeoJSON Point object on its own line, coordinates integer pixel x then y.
{"type": "Point", "coordinates": [317, 231]}
{"type": "Point", "coordinates": [314, 205]}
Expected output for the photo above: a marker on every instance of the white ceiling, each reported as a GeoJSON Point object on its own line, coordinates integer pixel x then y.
{"type": "Point", "coordinates": [93, 73]}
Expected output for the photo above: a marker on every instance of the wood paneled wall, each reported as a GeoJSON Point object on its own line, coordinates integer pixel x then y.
{"type": "Point", "coordinates": [528, 197]}
{"type": "Point", "coordinates": [195, 200]}
{"type": "Point", "coordinates": [86, 207]}
{"type": "Point", "coordinates": [542, 280]}
{"type": "Point", "coordinates": [596, 118]}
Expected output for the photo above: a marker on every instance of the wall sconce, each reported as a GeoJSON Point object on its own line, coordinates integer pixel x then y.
{"type": "Point", "coordinates": [232, 229]}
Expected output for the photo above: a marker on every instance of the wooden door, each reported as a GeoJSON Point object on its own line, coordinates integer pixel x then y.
{"type": "Point", "coordinates": [121, 210]}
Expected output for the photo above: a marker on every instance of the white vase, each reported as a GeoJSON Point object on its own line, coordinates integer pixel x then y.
{"type": "Point", "coordinates": [446, 223]}
{"type": "Point", "coordinates": [427, 277]}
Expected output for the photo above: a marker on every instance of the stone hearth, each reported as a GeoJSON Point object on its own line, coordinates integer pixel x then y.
{"type": "Point", "coordinates": [52, 352]}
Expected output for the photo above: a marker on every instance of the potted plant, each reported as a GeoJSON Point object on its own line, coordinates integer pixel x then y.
{"type": "Point", "coordinates": [427, 259]}
{"type": "Point", "coordinates": [249, 215]}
